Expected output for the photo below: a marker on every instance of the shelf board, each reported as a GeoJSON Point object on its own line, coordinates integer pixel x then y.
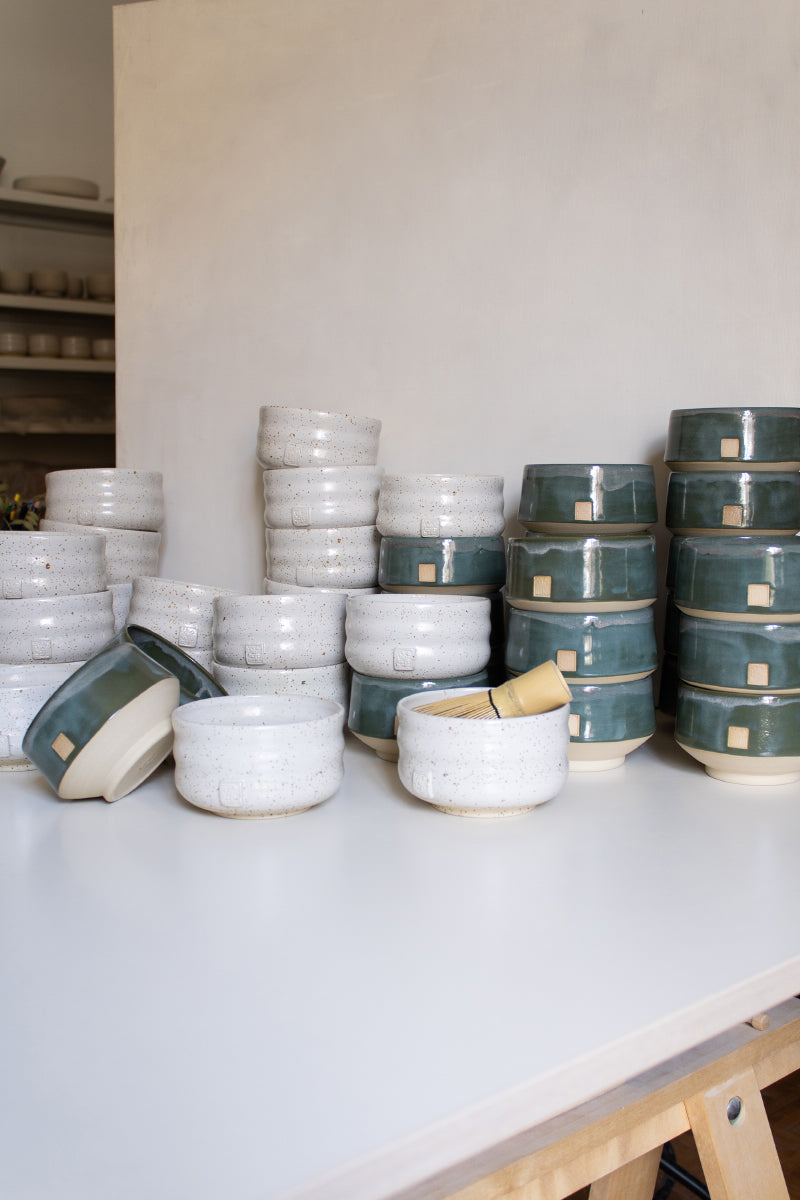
{"type": "Point", "coordinates": [40, 209]}
{"type": "Point", "coordinates": [22, 362]}
{"type": "Point", "coordinates": [82, 428]}
{"type": "Point", "coordinates": [83, 308]}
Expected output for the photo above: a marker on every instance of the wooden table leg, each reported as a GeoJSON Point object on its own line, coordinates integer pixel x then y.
{"type": "Point", "coordinates": [737, 1153]}
{"type": "Point", "coordinates": [635, 1181]}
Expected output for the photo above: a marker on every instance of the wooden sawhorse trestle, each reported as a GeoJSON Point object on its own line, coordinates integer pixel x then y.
{"type": "Point", "coordinates": [614, 1143]}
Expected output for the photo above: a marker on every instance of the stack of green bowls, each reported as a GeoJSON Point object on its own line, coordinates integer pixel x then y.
{"type": "Point", "coordinates": [731, 670]}
{"type": "Point", "coordinates": [580, 588]}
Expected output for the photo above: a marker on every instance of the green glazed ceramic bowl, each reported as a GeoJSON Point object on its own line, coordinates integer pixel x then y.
{"type": "Point", "coordinates": [573, 497]}
{"type": "Point", "coordinates": [107, 727]}
{"type": "Point", "coordinates": [720, 438]}
{"type": "Point", "coordinates": [608, 721]}
{"type": "Point", "coordinates": [373, 705]}
{"type": "Point", "coordinates": [738, 657]}
{"type": "Point", "coordinates": [469, 565]}
{"type": "Point", "coordinates": [195, 682]}
{"type": "Point", "coordinates": [603, 647]}
{"type": "Point", "coordinates": [747, 578]}
{"type": "Point", "coordinates": [740, 739]}
{"type": "Point", "coordinates": [600, 573]}
{"type": "Point", "coordinates": [733, 502]}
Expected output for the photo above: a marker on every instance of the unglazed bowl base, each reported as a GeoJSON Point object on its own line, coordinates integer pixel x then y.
{"type": "Point", "coordinates": [569, 528]}
{"type": "Point", "coordinates": [602, 756]}
{"type": "Point", "coordinates": [592, 679]}
{"type": "Point", "coordinates": [385, 748]}
{"type": "Point", "coordinates": [467, 589]}
{"type": "Point", "coordinates": [483, 813]}
{"type": "Point", "coordinates": [17, 764]}
{"type": "Point", "coordinates": [752, 772]}
{"type": "Point", "coordinates": [733, 464]}
{"type": "Point", "coordinates": [767, 618]}
{"type": "Point", "coordinates": [730, 531]}
{"type": "Point", "coordinates": [579, 606]}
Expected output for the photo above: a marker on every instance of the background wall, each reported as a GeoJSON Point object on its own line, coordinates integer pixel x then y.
{"type": "Point", "coordinates": [515, 230]}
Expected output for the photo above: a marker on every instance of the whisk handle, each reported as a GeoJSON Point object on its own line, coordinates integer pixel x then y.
{"type": "Point", "coordinates": [537, 691]}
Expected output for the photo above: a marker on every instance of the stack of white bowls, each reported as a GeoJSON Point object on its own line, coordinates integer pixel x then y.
{"type": "Point", "coordinates": [281, 645]}
{"type": "Point", "coordinates": [55, 613]}
{"type": "Point", "coordinates": [183, 613]}
{"type": "Point", "coordinates": [123, 504]}
{"type": "Point", "coordinates": [401, 644]}
{"type": "Point", "coordinates": [320, 499]}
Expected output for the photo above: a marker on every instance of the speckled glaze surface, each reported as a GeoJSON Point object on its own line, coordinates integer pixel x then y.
{"type": "Point", "coordinates": [258, 756]}
{"type": "Point", "coordinates": [343, 557]}
{"type": "Point", "coordinates": [50, 564]}
{"type": "Point", "coordinates": [373, 702]}
{"type": "Point", "coordinates": [120, 602]}
{"type": "Point", "coordinates": [193, 674]}
{"type": "Point", "coordinates": [441, 506]}
{"type": "Point", "coordinates": [733, 502]}
{"type": "Point", "coordinates": [23, 691]}
{"type": "Point", "coordinates": [746, 578]}
{"type": "Point", "coordinates": [739, 656]}
{"type": "Point", "coordinates": [179, 611]}
{"type": "Point", "coordinates": [484, 767]}
{"type": "Point", "coordinates": [273, 587]}
{"type": "Point", "coordinates": [107, 727]}
{"type": "Point", "coordinates": [279, 631]}
{"type": "Point", "coordinates": [612, 712]}
{"type": "Point", "coordinates": [478, 563]}
{"type": "Point", "coordinates": [615, 571]}
{"type": "Point", "coordinates": [747, 730]}
{"type": "Point", "coordinates": [327, 683]}
{"type": "Point", "coordinates": [721, 438]}
{"type": "Point", "coordinates": [597, 646]}
{"type": "Point", "coordinates": [618, 497]}
{"type": "Point", "coordinates": [55, 629]}
{"type": "Point", "coordinates": [129, 552]}
{"type": "Point", "coordinates": [307, 437]}
{"type": "Point", "coordinates": [418, 637]}
{"type": "Point", "coordinates": [115, 497]}
{"type": "Point", "coordinates": [321, 497]}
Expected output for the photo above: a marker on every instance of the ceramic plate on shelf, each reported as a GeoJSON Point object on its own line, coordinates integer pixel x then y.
{"type": "Point", "coordinates": [58, 185]}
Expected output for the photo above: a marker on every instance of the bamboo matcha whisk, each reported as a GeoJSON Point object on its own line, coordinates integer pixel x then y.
{"type": "Point", "coordinates": [537, 691]}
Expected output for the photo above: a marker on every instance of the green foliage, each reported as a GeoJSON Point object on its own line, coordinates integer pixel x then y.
{"type": "Point", "coordinates": [16, 513]}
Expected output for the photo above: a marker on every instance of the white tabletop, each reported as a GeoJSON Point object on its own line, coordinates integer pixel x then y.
{"type": "Point", "coordinates": [338, 1003]}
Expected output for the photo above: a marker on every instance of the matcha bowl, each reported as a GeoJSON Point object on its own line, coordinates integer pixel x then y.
{"type": "Point", "coordinates": [578, 497]}
{"type": "Point", "coordinates": [719, 439]}
{"type": "Point", "coordinates": [746, 578]}
{"type": "Point", "coordinates": [596, 573]}
{"type": "Point", "coordinates": [733, 502]}
{"type": "Point", "coordinates": [738, 656]}
{"type": "Point", "coordinates": [441, 506]}
{"type": "Point", "coordinates": [601, 647]}
{"type": "Point", "coordinates": [608, 721]}
{"type": "Point", "coordinates": [740, 739]}
{"type": "Point", "coordinates": [373, 706]}
{"type": "Point", "coordinates": [468, 565]}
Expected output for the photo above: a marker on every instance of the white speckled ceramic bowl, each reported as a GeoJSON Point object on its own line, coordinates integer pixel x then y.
{"type": "Point", "coordinates": [12, 342]}
{"type": "Point", "coordinates": [327, 683]}
{"type": "Point", "coordinates": [308, 437]}
{"type": "Point", "coordinates": [55, 629]}
{"type": "Point", "coordinates": [481, 768]}
{"type": "Point", "coordinates": [129, 552]}
{"type": "Point", "coordinates": [104, 348]}
{"type": "Point", "coordinates": [14, 280]}
{"type": "Point", "coordinates": [114, 497]}
{"type": "Point", "coordinates": [441, 506]}
{"type": "Point", "coordinates": [181, 612]}
{"type": "Point", "coordinates": [50, 564]}
{"type": "Point", "coordinates": [24, 688]}
{"type": "Point", "coordinates": [44, 345]}
{"type": "Point", "coordinates": [418, 637]}
{"type": "Point", "coordinates": [258, 756]}
{"type": "Point", "coordinates": [49, 281]}
{"type": "Point", "coordinates": [279, 631]}
{"type": "Point", "coordinates": [321, 497]}
{"type": "Point", "coordinates": [343, 557]}
{"type": "Point", "coordinates": [273, 587]}
{"type": "Point", "coordinates": [76, 347]}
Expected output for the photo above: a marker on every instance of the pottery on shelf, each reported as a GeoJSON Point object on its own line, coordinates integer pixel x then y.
{"type": "Point", "coordinates": [112, 497]}
{"type": "Point", "coordinates": [723, 439]}
{"type": "Point", "coordinates": [418, 637]}
{"type": "Point", "coordinates": [341, 557]}
{"type": "Point", "coordinates": [39, 563]}
{"type": "Point", "coordinates": [129, 552]}
{"type": "Point", "coordinates": [598, 647]}
{"type": "Point", "coordinates": [740, 739]}
{"type": "Point", "coordinates": [307, 437]}
{"type": "Point", "coordinates": [55, 629]}
{"type": "Point", "coordinates": [737, 656]}
{"type": "Point", "coordinates": [24, 688]}
{"type": "Point", "coordinates": [572, 498]}
{"type": "Point", "coordinates": [592, 573]}
{"type": "Point", "coordinates": [321, 497]}
{"type": "Point", "coordinates": [327, 683]}
{"type": "Point", "coordinates": [468, 565]}
{"type": "Point", "coordinates": [733, 502]}
{"type": "Point", "coordinates": [279, 631]}
{"type": "Point", "coordinates": [179, 611]}
{"type": "Point", "coordinates": [745, 578]}
{"type": "Point", "coordinates": [441, 506]}
{"type": "Point", "coordinates": [608, 722]}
